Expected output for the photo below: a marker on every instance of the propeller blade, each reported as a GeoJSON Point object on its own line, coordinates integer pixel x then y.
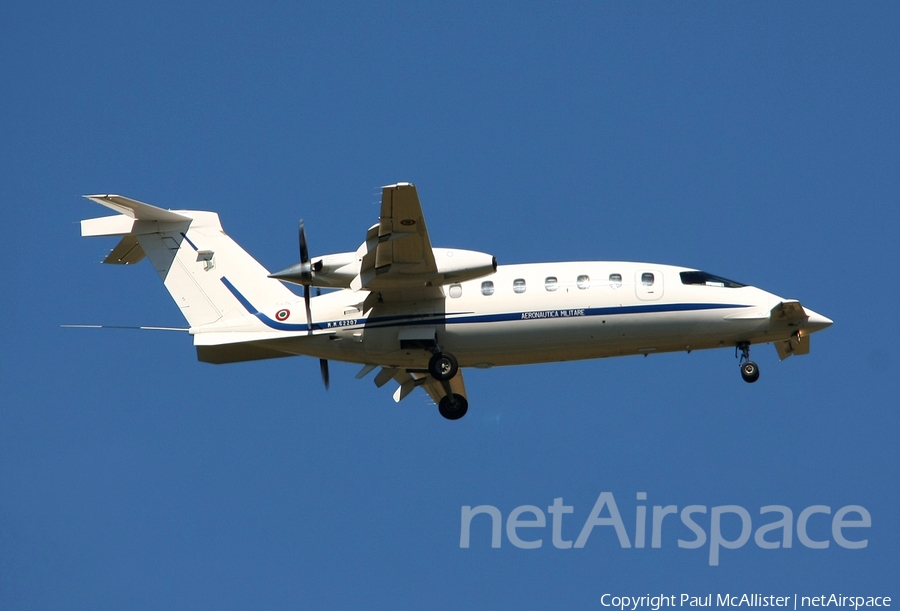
{"type": "Point", "coordinates": [304, 250]}
{"type": "Point", "coordinates": [323, 367]}
{"type": "Point", "coordinates": [300, 273]}
{"type": "Point", "coordinates": [304, 262]}
{"type": "Point", "coordinates": [306, 298]}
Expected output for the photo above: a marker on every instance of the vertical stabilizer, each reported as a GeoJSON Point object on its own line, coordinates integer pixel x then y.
{"type": "Point", "coordinates": [192, 254]}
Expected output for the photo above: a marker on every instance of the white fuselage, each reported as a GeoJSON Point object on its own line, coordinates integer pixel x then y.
{"type": "Point", "coordinates": [420, 313]}
{"type": "Point", "coordinates": [543, 312]}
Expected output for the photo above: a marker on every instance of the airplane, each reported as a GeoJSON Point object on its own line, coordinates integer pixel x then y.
{"type": "Point", "coordinates": [421, 314]}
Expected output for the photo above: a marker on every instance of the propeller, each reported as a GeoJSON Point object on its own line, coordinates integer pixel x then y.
{"type": "Point", "coordinates": [306, 275]}
{"type": "Point", "coordinates": [302, 273]}
{"type": "Point", "coordinates": [323, 367]}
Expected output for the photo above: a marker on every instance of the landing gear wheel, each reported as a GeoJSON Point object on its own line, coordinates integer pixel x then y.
{"type": "Point", "coordinates": [453, 407]}
{"type": "Point", "coordinates": [749, 369]}
{"type": "Point", "coordinates": [443, 366]}
{"type": "Point", "coordinates": [750, 372]}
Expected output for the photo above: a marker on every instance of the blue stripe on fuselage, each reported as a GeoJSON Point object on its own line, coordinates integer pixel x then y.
{"type": "Point", "coordinates": [472, 318]}
{"type": "Point", "coordinates": [274, 324]}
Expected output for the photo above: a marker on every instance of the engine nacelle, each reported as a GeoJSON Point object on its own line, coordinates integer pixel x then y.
{"type": "Point", "coordinates": [456, 265]}
{"type": "Point", "coordinates": [453, 265]}
{"type": "Point", "coordinates": [335, 271]}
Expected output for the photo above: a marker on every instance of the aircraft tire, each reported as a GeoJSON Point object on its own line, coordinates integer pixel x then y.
{"type": "Point", "coordinates": [750, 372]}
{"type": "Point", "coordinates": [453, 407]}
{"type": "Point", "coordinates": [443, 366]}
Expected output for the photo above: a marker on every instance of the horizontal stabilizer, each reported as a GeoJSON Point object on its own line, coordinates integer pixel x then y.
{"type": "Point", "coordinates": [211, 278]}
{"type": "Point", "coordinates": [139, 211]}
{"type": "Point", "coordinates": [127, 252]}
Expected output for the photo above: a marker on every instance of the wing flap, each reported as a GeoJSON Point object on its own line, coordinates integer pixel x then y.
{"type": "Point", "coordinates": [410, 379]}
{"type": "Point", "coordinates": [798, 344]}
{"type": "Point", "coordinates": [436, 389]}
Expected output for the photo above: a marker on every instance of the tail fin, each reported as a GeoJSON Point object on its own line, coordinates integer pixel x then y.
{"type": "Point", "coordinates": [193, 256]}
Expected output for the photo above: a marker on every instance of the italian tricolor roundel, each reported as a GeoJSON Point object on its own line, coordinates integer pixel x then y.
{"type": "Point", "coordinates": [282, 314]}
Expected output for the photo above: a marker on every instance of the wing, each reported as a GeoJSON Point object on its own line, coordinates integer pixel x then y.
{"type": "Point", "coordinates": [397, 257]}
{"type": "Point", "coordinates": [404, 245]}
{"type": "Point", "coordinates": [396, 263]}
{"type": "Point", "coordinates": [791, 314]}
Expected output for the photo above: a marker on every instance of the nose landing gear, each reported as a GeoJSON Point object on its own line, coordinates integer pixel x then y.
{"type": "Point", "coordinates": [749, 369]}
{"type": "Point", "coordinates": [750, 372]}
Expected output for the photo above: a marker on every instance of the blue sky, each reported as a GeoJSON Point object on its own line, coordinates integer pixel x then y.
{"type": "Point", "coordinates": [758, 141]}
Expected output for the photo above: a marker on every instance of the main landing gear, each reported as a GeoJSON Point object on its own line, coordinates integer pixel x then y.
{"type": "Point", "coordinates": [749, 369]}
{"type": "Point", "coordinates": [443, 367]}
{"type": "Point", "coordinates": [453, 406]}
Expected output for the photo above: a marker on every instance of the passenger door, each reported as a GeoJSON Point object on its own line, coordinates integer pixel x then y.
{"type": "Point", "coordinates": [648, 284]}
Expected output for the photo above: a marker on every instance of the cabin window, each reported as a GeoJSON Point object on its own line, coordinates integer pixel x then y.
{"type": "Point", "coordinates": [615, 280]}
{"type": "Point", "coordinates": [487, 287]}
{"type": "Point", "coordinates": [519, 285]}
{"type": "Point", "coordinates": [583, 282]}
{"type": "Point", "coordinates": [455, 290]}
{"type": "Point", "coordinates": [704, 279]}
{"type": "Point", "coordinates": [551, 283]}
{"type": "Point", "coordinates": [647, 279]}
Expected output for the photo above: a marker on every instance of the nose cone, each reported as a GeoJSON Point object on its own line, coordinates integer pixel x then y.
{"type": "Point", "coordinates": [816, 321]}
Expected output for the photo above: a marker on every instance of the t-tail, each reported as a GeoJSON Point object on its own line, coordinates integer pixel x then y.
{"type": "Point", "coordinates": [204, 270]}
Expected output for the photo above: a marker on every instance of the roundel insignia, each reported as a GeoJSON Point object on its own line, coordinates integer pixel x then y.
{"type": "Point", "coordinates": [283, 314]}
{"type": "Point", "coordinates": [407, 222]}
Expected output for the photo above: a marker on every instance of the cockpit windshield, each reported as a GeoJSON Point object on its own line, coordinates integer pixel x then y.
{"type": "Point", "coordinates": [704, 279]}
